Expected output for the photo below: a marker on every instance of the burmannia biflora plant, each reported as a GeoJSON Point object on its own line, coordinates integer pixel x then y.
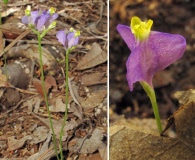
{"type": "Point", "coordinates": [69, 39]}
{"type": "Point", "coordinates": [151, 51]}
{"type": "Point", "coordinates": [40, 22]}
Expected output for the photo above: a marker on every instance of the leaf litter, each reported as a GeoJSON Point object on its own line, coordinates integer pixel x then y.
{"type": "Point", "coordinates": [24, 124]}
{"type": "Point", "coordinates": [94, 57]}
{"type": "Point", "coordinates": [175, 82]}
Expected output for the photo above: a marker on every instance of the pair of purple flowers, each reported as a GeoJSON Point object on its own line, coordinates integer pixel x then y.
{"type": "Point", "coordinates": [40, 23]}
{"type": "Point", "coordinates": [45, 20]}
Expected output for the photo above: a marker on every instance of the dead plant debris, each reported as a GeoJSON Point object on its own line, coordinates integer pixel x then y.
{"type": "Point", "coordinates": [24, 126]}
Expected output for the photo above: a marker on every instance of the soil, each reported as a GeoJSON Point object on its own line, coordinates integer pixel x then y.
{"type": "Point", "coordinates": [172, 16]}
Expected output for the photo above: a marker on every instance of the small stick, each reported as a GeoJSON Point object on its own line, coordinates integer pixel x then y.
{"type": "Point", "coordinates": [15, 41]}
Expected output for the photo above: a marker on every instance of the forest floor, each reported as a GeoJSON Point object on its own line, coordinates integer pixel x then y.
{"type": "Point", "coordinates": [133, 131]}
{"type": "Point", "coordinates": [24, 126]}
{"type": "Point", "coordinates": [175, 17]}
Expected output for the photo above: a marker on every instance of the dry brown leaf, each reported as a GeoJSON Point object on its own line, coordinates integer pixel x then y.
{"type": "Point", "coordinates": [185, 96]}
{"type": "Point", "coordinates": [93, 79]}
{"type": "Point", "coordinates": [3, 144]}
{"type": "Point", "coordinates": [58, 105]}
{"type": "Point", "coordinates": [51, 80]}
{"type": "Point", "coordinates": [3, 80]}
{"type": "Point", "coordinates": [14, 144]}
{"type": "Point", "coordinates": [33, 127]}
{"type": "Point", "coordinates": [184, 120]}
{"type": "Point", "coordinates": [33, 104]}
{"type": "Point", "coordinates": [11, 97]}
{"type": "Point", "coordinates": [72, 93]}
{"type": "Point", "coordinates": [131, 141]}
{"type": "Point", "coordinates": [94, 99]}
{"type": "Point", "coordinates": [75, 90]}
{"type": "Point", "coordinates": [37, 105]}
{"type": "Point", "coordinates": [95, 156]}
{"type": "Point", "coordinates": [44, 152]}
{"type": "Point", "coordinates": [77, 111]}
{"type": "Point", "coordinates": [15, 28]}
{"type": "Point", "coordinates": [69, 126]}
{"type": "Point", "coordinates": [19, 73]}
{"type": "Point", "coordinates": [9, 11]}
{"type": "Point", "coordinates": [32, 52]}
{"type": "Point", "coordinates": [45, 145]}
{"type": "Point", "coordinates": [39, 135]}
{"type": "Point", "coordinates": [185, 124]}
{"type": "Point", "coordinates": [103, 151]}
{"type": "Point", "coordinates": [93, 143]}
{"type": "Point", "coordinates": [38, 85]}
{"type": "Point", "coordinates": [93, 58]}
{"type": "Point", "coordinates": [1, 41]}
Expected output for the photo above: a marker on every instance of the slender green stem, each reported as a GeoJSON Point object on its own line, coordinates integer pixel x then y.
{"type": "Point", "coordinates": [5, 2]}
{"type": "Point", "coordinates": [45, 94]}
{"type": "Point", "coordinates": [66, 111]}
{"type": "Point", "coordinates": [151, 94]}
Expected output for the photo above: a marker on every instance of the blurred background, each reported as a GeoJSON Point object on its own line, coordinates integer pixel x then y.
{"type": "Point", "coordinates": [171, 16]}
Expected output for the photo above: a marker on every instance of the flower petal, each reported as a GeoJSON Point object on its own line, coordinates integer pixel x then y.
{"type": "Point", "coordinates": [72, 40]}
{"type": "Point", "coordinates": [167, 47]}
{"type": "Point", "coordinates": [54, 16]}
{"type": "Point", "coordinates": [141, 65]}
{"type": "Point", "coordinates": [25, 19]}
{"type": "Point", "coordinates": [61, 36]}
{"type": "Point", "coordinates": [34, 16]}
{"type": "Point", "coordinates": [47, 19]}
{"type": "Point", "coordinates": [50, 19]}
{"type": "Point", "coordinates": [127, 35]}
{"type": "Point", "coordinates": [152, 55]}
{"type": "Point", "coordinates": [41, 22]}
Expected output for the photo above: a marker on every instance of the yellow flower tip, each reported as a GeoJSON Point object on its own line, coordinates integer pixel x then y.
{"type": "Point", "coordinates": [77, 33]}
{"type": "Point", "coordinates": [71, 29]}
{"type": "Point", "coordinates": [27, 12]}
{"type": "Point", "coordinates": [54, 23]}
{"type": "Point", "coordinates": [140, 29]}
{"type": "Point", "coordinates": [52, 10]}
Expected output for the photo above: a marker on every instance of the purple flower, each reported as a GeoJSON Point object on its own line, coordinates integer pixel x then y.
{"type": "Point", "coordinates": [151, 51]}
{"type": "Point", "coordinates": [40, 20]}
{"type": "Point", "coordinates": [68, 38]}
